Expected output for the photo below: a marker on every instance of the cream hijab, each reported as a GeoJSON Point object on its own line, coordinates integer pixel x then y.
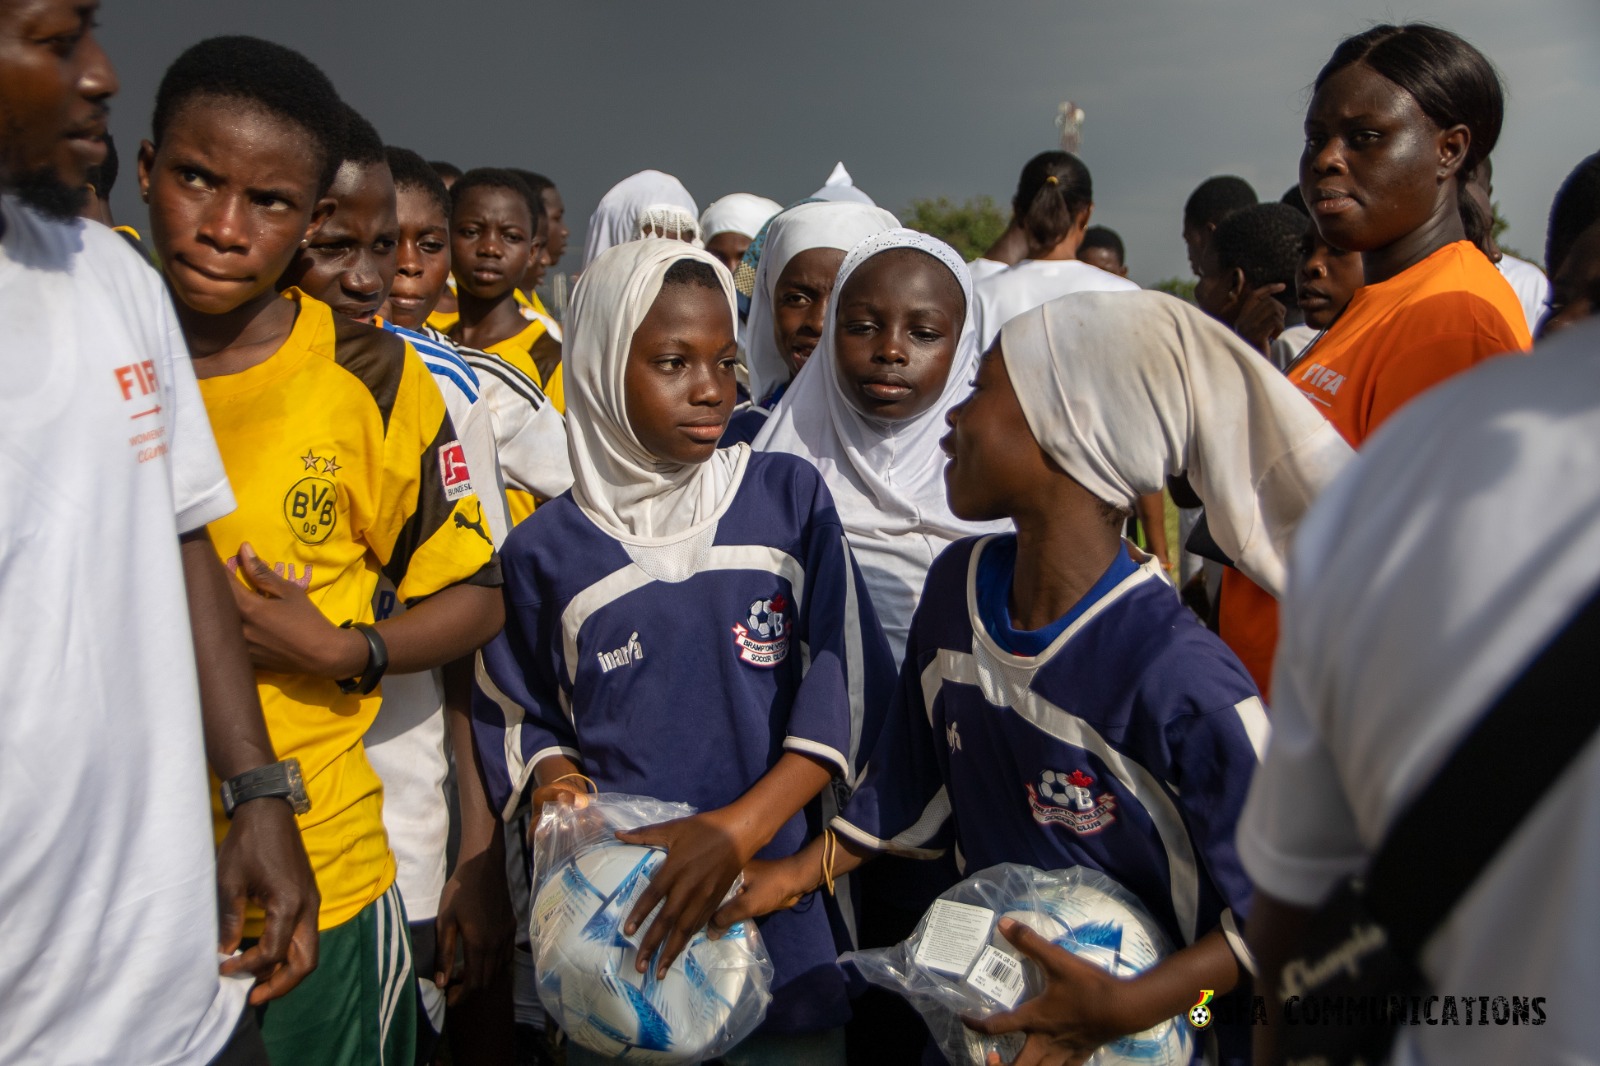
{"type": "Point", "coordinates": [887, 478]}
{"type": "Point", "coordinates": [624, 489]}
{"type": "Point", "coordinates": [799, 229]}
{"type": "Point", "coordinates": [646, 198]}
{"type": "Point", "coordinates": [1124, 389]}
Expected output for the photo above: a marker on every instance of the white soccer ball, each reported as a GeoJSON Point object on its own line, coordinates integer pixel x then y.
{"type": "Point", "coordinates": [587, 977]}
{"type": "Point", "coordinates": [1102, 929]}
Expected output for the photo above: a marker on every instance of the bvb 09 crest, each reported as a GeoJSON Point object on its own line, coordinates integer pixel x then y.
{"type": "Point", "coordinates": [311, 508]}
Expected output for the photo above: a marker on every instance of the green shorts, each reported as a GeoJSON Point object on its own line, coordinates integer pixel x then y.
{"type": "Point", "coordinates": [359, 1006]}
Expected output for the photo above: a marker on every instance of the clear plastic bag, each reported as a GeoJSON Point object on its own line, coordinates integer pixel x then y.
{"type": "Point", "coordinates": [956, 963]}
{"type": "Point", "coordinates": [585, 884]}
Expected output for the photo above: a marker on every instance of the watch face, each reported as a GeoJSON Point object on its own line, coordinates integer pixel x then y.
{"type": "Point", "coordinates": [297, 796]}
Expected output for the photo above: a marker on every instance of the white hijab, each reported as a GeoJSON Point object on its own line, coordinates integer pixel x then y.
{"type": "Point", "coordinates": [646, 198]}
{"type": "Point", "coordinates": [887, 478]}
{"type": "Point", "coordinates": [1124, 389]}
{"type": "Point", "coordinates": [841, 187]}
{"type": "Point", "coordinates": [624, 489]}
{"type": "Point", "coordinates": [738, 212]}
{"type": "Point", "coordinates": [799, 229]}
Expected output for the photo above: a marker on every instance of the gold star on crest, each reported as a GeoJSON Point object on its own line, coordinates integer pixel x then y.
{"type": "Point", "coordinates": [330, 465]}
{"type": "Point", "coordinates": [310, 460]}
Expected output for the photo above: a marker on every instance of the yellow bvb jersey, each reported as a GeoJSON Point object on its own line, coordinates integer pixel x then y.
{"type": "Point", "coordinates": [344, 464]}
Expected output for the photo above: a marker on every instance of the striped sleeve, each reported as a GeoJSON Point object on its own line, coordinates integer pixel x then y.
{"type": "Point", "coordinates": [902, 805]}
{"type": "Point", "coordinates": [519, 709]}
{"type": "Point", "coordinates": [849, 669]}
{"type": "Point", "coordinates": [428, 529]}
{"type": "Point", "coordinates": [1214, 759]}
{"type": "Point", "coordinates": [530, 434]}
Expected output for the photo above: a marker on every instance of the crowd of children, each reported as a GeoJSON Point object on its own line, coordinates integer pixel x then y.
{"type": "Point", "coordinates": [786, 513]}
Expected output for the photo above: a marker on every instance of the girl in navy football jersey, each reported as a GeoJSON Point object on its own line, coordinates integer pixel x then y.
{"type": "Point", "coordinates": [686, 623]}
{"type": "Point", "coordinates": [1058, 707]}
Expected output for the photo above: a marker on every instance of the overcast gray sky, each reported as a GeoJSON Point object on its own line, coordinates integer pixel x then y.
{"type": "Point", "coordinates": [918, 97]}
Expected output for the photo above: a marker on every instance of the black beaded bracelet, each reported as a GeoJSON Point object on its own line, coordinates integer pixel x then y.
{"type": "Point", "coordinates": [377, 660]}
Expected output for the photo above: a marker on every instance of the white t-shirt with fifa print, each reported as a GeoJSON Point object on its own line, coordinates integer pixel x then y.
{"type": "Point", "coordinates": [108, 898]}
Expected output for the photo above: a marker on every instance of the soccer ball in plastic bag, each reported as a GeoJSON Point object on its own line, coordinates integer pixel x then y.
{"type": "Point", "coordinates": [714, 994]}
{"type": "Point", "coordinates": [1078, 909]}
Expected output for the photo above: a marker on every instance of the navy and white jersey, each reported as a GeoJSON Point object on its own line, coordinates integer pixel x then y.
{"type": "Point", "coordinates": [743, 425]}
{"type": "Point", "coordinates": [1125, 745]}
{"type": "Point", "coordinates": [691, 690]}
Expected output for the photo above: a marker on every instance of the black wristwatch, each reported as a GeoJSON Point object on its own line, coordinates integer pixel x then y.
{"type": "Point", "coordinates": [279, 779]}
{"type": "Point", "coordinates": [377, 660]}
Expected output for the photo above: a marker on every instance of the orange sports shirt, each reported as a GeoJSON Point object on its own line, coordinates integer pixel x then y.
{"type": "Point", "coordinates": [1395, 340]}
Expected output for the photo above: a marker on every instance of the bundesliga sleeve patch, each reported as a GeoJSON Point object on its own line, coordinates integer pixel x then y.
{"type": "Point", "coordinates": [453, 471]}
{"type": "Point", "coordinates": [763, 638]}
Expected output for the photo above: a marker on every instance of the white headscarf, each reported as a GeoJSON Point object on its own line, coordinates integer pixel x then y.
{"type": "Point", "coordinates": [1124, 389]}
{"type": "Point", "coordinates": [646, 198]}
{"type": "Point", "coordinates": [887, 477]}
{"type": "Point", "coordinates": [799, 229]}
{"type": "Point", "coordinates": [738, 212]}
{"type": "Point", "coordinates": [841, 187]}
{"type": "Point", "coordinates": [624, 489]}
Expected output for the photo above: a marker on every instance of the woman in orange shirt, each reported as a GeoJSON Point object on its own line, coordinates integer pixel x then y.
{"type": "Point", "coordinates": [1398, 116]}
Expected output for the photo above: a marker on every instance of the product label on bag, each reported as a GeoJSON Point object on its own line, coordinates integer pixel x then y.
{"type": "Point", "coordinates": [954, 936]}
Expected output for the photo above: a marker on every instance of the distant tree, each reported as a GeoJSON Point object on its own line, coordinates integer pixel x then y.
{"type": "Point", "coordinates": [970, 227]}
{"type": "Point", "coordinates": [1182, 288]}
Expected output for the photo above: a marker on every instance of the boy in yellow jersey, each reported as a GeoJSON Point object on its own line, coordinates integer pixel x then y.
{"type": "Point", "coordinates": [497, 227]}
{"type": "Point", "coordinates": [352, 263]}
{"type": "Point", "coordinates": [529, 434]}
{"type": "Point", "coordinates": [345, 464]}
{"type": "Point", "coordinates": [533, 308]}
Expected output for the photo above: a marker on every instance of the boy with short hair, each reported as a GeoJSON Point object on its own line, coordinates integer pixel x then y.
{"type": "Point", "coordinates": [350, 264]}
{"type": "Point", "coordinates": [1102, 247]}
{"type": "Point", "coordinates": [1247, 279]}
{"type": "Point", "coordinates": [346, 466]}
{"type": "Point", "coordinates": [530, 435]}
{"type": "Point", "coordinates": [1212, 200]}
{"type": "Point", "coordinates": [533, 308]}
{"type": "Point", "coordinates": [497, 227]}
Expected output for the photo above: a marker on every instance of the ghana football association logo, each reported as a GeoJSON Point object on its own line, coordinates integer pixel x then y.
{"type": "Point", "coordinates": [762, 639]}
{"type": "Point", "coordinates": [1200, 1015]}
{"type": "Point", "coordinates": [1063, 798]}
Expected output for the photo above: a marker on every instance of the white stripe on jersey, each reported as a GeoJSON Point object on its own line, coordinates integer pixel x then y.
{"type": "Point", "coordinates": [1006, 686]}
{"type": "Point", "coordinates": [1235, 939]}
{"type": "Point", "coordinates": [516, 380]}
{"type": "Point", "coordinates": [1150, 570]}
{"type": "Point", "coordinates": [909, 842]}
{"type": "Point", "coordinates": [516, 769]}
{"type": "Point", "coordinates": [632, 577]}
{"type": "Point", "coordinates": [855, 659]}
{"type": "Point", "coordinates": [1253, 717]}
{"type": "Point", "coordinates": [827, 754]}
